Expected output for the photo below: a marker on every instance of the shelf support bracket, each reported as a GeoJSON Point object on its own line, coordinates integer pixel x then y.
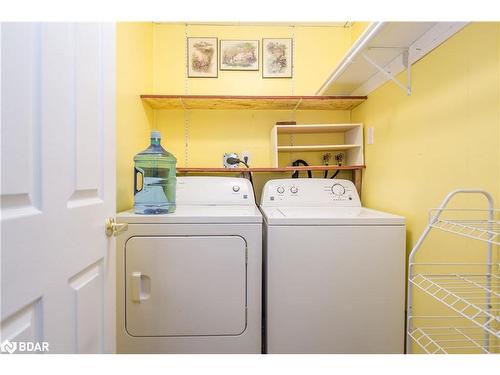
{"type": "Point", "coordinates": [406, 62]}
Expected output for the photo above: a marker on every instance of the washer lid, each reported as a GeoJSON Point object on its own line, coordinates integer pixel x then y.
{"type": "Point", "coordinates": [329, 216]}
{"type": "Point", "coordinates": [196, 215]}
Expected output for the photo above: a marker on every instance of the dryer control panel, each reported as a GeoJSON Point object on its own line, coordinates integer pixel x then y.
{"type": "Point", "coordinates": [310, 192]}
{"type": "Point", "coordinates": [224, 191]}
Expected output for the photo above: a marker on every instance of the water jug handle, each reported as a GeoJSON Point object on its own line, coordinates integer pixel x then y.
{"type": "Point", "coordinates": [136, 171]}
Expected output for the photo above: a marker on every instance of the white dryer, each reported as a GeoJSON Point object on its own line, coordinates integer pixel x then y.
{"type": "Point", "coordinates": [334, 271]}
{"type": "Point", "coordinates": [190, 281]}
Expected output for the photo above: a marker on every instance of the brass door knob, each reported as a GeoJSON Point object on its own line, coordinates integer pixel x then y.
{"type": "Point", "coordinates": [114, 229]}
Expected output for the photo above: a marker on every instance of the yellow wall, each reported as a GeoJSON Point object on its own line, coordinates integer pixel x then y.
{"type": "Point", "coordinates": [442, 137]}
{"type": "Point", "coordinates": [423, 136]}
{"type": "Point", "coordinates": [134, 75]}
{"type": "Point", "coordinates": [151, 59]}
{"type": "Point", "coordinates": [211, 133]}
{"type": "Point", "coordinates": [357, 29]}
{"type": "Point", "coordinates": [445, 136]}
{"type": "Point", "coordinates": [316, 51]}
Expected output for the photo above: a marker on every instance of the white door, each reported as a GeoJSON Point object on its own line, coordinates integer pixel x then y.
{"type": "Point", "coordinates": [57, 185]}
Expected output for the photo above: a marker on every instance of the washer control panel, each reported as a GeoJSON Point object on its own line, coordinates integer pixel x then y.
{"type": "Point", "coordinates": [310, 192]}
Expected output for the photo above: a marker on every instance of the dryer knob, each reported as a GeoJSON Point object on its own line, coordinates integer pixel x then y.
{"type": "Point", "coordinates": [280, 189]}
{"type": "Point", "coordinates": [294, 189]}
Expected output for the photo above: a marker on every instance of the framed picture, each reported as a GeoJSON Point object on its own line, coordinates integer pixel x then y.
{"type": "Point", "coordinates": [277, 58]}
{"type": "Point", "coordinates": [202, 57]}
{"type": "Point", "coordinates": [239, 55]}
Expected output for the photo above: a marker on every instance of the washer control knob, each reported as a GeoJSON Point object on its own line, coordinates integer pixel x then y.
{"type": "Point", "coordinates": [236, 188]}
{"type": "Point", "coordinates": [294, 189]}
{"type": "Point", "coordinates": [338, 189]}
{"type": "Point", "coordinates": [280, 189]}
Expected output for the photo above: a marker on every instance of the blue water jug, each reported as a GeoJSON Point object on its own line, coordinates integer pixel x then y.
{"type": "Point", "coordinates": [154, 179]}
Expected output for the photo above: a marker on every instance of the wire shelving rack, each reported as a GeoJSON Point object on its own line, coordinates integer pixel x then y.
{"type": "Point", "coordinates": [471, 291]}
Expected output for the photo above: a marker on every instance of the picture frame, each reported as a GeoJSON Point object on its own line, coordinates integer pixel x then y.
{"type": "Point", "coordinates": [202, 56]}
{"type": "Point", "coordinates": [239, 55]}
{"type": "Point", "coordinates": [277, 57]}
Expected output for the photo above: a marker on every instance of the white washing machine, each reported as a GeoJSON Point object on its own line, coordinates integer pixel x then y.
{"type": "Point", "coordinates": [190, 281]}
{"type": "Point", "coordinates": [334, 271]}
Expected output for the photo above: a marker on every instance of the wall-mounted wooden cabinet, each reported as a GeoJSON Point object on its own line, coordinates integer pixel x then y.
{"type": "Point", "coordinates": [349, 139]}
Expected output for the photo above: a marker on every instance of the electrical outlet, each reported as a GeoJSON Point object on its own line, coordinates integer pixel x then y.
{"type": "Point", "coordinates": [245, 154]}
{"type": "Point", "coordinates": [228, 155]}
{"type": "Point", "coordinates": [370, 136]}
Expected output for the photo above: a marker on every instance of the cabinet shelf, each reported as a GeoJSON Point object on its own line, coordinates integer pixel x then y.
{"type": "Point", "coordinates": [316, 148]}
{"type": "Point", "coordinates": [350, 140]}
{"type": "Point", "coordinates": [335, 102]}
{"type": "Point", "coordinates": [315, 128]}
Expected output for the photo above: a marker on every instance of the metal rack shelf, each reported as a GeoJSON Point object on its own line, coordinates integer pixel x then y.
{"type": "Point", "coordinates": [473, 296]}
{"type": "Point", "coordinates": [451, 340]}
{"type": "Point", "coordinates": [487, 230]}
{"type": "Point", "coordinates": [470, 290]}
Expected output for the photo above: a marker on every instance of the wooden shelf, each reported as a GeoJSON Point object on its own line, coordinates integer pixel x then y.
{"type": "Point", "coordinates": [270, 169]}
{"type": "Point", "coordinates": [316, 148]}
{"type": "Point", "coordinates": [253, 102]}
{"type": "Point", "coordinates": [356, 171]}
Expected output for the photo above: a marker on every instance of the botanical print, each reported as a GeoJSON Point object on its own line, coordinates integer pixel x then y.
{"type": "Point", "coordinates": [202, 57]}
{"type": "Point", "coordinates": [277, 58]}
{"type": "Point", "coordinates": [239, 55]}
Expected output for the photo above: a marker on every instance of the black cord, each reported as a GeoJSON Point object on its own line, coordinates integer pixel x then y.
{"type": "Point", "coordinates": [336, 173]}
{"type": "Point", "coordinates": [298, 162]}
{"type": "Point", "coordinates": [237, 161]}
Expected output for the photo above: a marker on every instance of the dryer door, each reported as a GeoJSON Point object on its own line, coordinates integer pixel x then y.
{"type": "Point", "coordinates": [185, 286]}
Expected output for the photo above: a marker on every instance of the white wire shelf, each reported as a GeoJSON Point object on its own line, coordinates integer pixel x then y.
{"type": "Point", "coordinates": [452, 340]}
{"type": "Point", "coordinates": [470, 289]}
{"type": "Point", "coordinates": [475, 297]}
{"type": "Point", "coordinates": [487, 230]}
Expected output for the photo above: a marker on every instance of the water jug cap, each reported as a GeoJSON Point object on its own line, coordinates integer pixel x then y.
{"type": "Point", "coordinates": [155, 134]}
